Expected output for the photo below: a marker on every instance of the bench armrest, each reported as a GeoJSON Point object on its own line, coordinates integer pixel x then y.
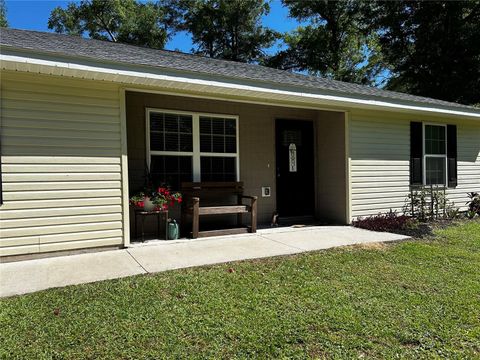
{"type": "Point", "coordinates": [249, 197]}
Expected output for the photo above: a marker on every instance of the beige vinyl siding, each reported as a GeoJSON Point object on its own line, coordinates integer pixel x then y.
{"type": "Point", "coordinates": [61, 164]}
{"type": "Point", "coordinates": [380, 153]}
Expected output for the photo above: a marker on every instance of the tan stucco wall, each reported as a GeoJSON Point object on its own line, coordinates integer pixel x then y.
{"type": "Point", "coordinates": [256, 139]}
{"type": "Point", "coordinates": [331, 202]}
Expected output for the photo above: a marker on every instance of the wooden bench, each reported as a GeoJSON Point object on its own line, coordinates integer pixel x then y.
{"type": "Point", "coordinates": [194, 192]}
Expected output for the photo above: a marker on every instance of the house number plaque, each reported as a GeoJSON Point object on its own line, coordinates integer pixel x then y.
{"type": "Point", "coordinates": [292, 157]}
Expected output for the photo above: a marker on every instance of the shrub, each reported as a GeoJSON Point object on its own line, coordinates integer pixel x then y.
{"type": "Point", "coordinates": [473, 204]}
{"type": "Point", "coordinates": [390, 221]}
{"type": "Point", "coordinates": [426, 203]}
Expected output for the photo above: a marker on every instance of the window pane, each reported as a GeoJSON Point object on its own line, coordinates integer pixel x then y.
{"type": "Point", "coordinates": [435, 143]}
{"type": "Point", "coordinates": [230, 144]}
{"type": "Point", "coordinates": [218, 135]}
{"type": "Point", "coordinates": [218, 144]}
{"type": "Point", "coordinates": [205, 125]}
{"type": "Point", "coordinates": [186, 142]}
{"type": "Point", "coordinates": [171, 123]}
{"type": "Point", "coordinates": [156, 121]}
{"type": "Point", "coordinates": [185, 124]}
{"type": "Point", "coordinates": [230, 127]}
{"type": "Point", "coordinates": [435, 170]}
{"type": "Point", "coordinates": [171, 142]}
{"type": "Point", "coordinates": [171, 170]}
{"type": "Point", "coordinates": [205, 143]}
{"type": "Point", "coordinates": [218, 126]}
{"type": "Point", "coordinates": [171, 132]}
{"type": "Point", "coordinates": [214, 168]}
{"type": "Point", "coordinates": [156, 141]}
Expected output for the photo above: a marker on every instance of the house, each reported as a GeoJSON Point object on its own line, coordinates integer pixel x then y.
{"type": "Point", "coordinates": [80, 119]}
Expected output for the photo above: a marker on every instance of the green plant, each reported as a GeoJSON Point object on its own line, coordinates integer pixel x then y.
{"type": "Point", "coordinates": [471, 214]}
{"type": "Point", "coordinates": [452, 212]}
{"type": "Point", "coordinates": [473, 204]}
{"type": "Point", "coordinates": [426, 203]}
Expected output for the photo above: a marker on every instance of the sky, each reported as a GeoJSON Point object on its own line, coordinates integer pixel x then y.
{"type": "Point", "coordinates": [34, 14]}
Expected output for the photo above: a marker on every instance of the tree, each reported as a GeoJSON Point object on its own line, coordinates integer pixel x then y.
{"type": "Point", "coordinates": [3, 14]}
{"type": "Point", "coordinates": [432, 47]}
{"type": "Point", "coordinates": [336, 42]}
{"type": "Point", "coordinates": [228, 29]}
{"type": "Point", "coordinates": [127, 21]}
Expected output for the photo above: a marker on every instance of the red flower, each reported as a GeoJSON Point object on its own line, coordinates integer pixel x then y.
{"type": "Point", "coordinates": [179, 199]}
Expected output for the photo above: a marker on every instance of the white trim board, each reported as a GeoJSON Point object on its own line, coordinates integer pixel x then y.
{"type": "Point", "coordinates": [184, 81]}
{"type": "Point", "coordinates": [124, 162]}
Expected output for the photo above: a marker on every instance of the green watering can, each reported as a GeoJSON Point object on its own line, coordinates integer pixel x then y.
{"type": "Point", "coordinates": [173, 230]}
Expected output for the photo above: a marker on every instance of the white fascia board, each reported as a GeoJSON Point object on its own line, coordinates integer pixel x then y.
{"type": "Point", "coordinates": [143, 75]}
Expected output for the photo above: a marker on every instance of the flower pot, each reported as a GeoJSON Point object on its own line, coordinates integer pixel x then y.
{"type": "Point", "coordinates": [148, 205]}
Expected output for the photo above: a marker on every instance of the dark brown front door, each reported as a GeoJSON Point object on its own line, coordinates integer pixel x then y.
{"type": "Point", "coordinates": [295, 168]}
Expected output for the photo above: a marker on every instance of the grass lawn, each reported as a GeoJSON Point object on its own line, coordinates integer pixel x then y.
{"type": "Point", "coordinates": [411, 299]}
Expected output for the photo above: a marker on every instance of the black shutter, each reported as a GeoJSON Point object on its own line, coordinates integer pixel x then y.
{"type": "Point", "coordinates": [452, 155]}
{"type": "Point", "coordinates": [416, 153]}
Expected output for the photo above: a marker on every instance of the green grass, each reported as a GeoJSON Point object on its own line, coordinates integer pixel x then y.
{"type": "Point", "coordinates": [414, 299]}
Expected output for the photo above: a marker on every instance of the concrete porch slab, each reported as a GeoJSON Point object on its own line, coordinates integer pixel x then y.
{"type": "Point", "coordinates": [33, 275]}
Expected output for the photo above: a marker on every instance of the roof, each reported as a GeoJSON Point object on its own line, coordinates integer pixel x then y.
{"type": "Point", "coordinates": [76, 46]}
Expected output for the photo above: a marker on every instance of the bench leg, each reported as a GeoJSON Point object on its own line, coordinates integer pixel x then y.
{"type": "Point", "coordinates": [239, 216]}
{"type": "Point", "coordinates": [183, 219]}
{"type": "Point", "coordinates": [195, 217]}
{"type": "Point", "coordinates": [254, 215]}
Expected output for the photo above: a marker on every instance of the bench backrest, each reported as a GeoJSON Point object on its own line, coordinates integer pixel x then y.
{"type": "Point", "coordinates": [199, 189]}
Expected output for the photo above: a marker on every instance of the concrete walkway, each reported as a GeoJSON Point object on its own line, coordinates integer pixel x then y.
{"type": "Point", "coordinates": [33, 275]}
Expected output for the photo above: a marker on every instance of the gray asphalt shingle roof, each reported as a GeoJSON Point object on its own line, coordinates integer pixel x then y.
{"type": "Point", "coordinates": [103, 50]}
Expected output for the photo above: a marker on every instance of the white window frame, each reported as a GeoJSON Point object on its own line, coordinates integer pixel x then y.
{"type": "Point", "coordinates": [196, 154]}
{"type": "Point", "coordinates": [424, 166]}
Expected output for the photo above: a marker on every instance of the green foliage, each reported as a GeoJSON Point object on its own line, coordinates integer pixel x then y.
{"type": "Point", "coordinates": [432, 47]}
{"type": "Point", "coordinates": [3, 14]}
{"type": "Point", "coordinates": [473, 204]}
{"type": "Point", "coordinates": [409, 300]}
{"type": "Point", "coordinates": [228, 29]}
{"type": "Point", "coordinates": [127, 21]}
{"type": "Point", "coordinates": [426, 203]}
{"type": "Point", "coordinates": [335, 41]}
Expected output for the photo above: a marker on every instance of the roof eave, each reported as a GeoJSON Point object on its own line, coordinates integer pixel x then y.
{"type": "Point", "coordinates": [54, 64]}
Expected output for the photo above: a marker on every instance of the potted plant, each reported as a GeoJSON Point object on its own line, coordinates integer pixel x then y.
{"type": "Point", "coordinates": [154, 200]}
